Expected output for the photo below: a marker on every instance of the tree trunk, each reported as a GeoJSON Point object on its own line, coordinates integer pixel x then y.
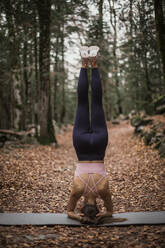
{"type": "Point", "coordinates": [56, 66]}
{"type": "Point", "coordinates": [113, 22]}
{"type": "Point", "coordinates": [103, 70]}
{"type": "Point", "coordinates": [148, 93]}
{"type": "Point", "coordinates": [55, 85]}
{"type": "Point", "coordinates": [63, 107]}
{"type": "Point", "coordinates": [160, 27]}
{"type": "Point", "coordinates": [46, 127]}
{"type": "Point", "coordinates": [36, 81]}
{"type": "Point", "coordinates": [26, 82]}
{"type": "Point", "coordinates": [16, 99]}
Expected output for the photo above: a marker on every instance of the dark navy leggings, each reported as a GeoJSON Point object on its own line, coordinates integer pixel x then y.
{"type": "Point", "coordinates": [90, 140]}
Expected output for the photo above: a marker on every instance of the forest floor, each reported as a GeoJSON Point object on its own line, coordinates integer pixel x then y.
{"type": "Point", "coordinates": [36, 178]}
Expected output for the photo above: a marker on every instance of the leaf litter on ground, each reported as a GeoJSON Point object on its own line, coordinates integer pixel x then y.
{"type": "Point", "coordinates": [38, 179]}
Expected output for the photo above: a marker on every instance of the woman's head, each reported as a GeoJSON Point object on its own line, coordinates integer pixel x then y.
{"type": "Point", "coordinates": [90, 210]}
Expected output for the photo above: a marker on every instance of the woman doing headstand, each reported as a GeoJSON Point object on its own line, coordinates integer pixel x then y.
{"type": "Point", "coordinates": [90, 142]}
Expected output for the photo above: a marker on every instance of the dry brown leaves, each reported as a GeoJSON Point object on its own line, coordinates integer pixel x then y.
{"type": "Point", "coordinates": [39, 178]}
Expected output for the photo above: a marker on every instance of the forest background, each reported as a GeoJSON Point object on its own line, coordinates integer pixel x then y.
{"type": "Point", "coordinates": [40, 60]}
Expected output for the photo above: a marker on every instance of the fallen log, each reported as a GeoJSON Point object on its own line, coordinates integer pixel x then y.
{"type": "Point", "coordinates": [16, 133]}
{"type": "Point", "coordinates": [25, 137]}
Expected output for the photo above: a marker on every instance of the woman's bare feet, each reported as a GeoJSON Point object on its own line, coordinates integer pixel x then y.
{"type": "Point", "coordinates": [89, 53]}
{"type": "Point", "coordinates": [93, 51]}
{"type": "Point", "coordinates": [84, 51]}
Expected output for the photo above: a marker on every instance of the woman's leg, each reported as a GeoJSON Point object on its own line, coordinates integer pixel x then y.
{"type": "Point", "coordinates": [81, 139]}
{"type": "Point", "coordinates": [82, 123]}
{"type": "Point", "coordinates": [98, 122]}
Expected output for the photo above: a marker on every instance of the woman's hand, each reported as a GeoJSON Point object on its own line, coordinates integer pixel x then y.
{"type": "Point", "coordinates": [99, 216]}
{"type": "Point", "coordinates": [74, 216]}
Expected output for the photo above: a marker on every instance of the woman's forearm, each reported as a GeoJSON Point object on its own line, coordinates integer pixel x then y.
{"type": "Point", "coordinates": [72, 215]}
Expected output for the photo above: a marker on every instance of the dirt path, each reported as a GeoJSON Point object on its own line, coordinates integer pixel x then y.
{"type": "Point", "coordinates": [37, 179]}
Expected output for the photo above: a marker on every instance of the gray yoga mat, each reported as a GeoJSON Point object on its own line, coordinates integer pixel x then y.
{"type": "Point", "coordinates": [133, 218]}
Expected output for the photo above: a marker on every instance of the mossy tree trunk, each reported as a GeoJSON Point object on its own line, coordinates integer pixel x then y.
{"type": "Point", "coordinates": [15, 74]}
{"type": "Point", "coordinates": [45, 120]}
{"type": "Point", "coordinates": [113, 21]}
